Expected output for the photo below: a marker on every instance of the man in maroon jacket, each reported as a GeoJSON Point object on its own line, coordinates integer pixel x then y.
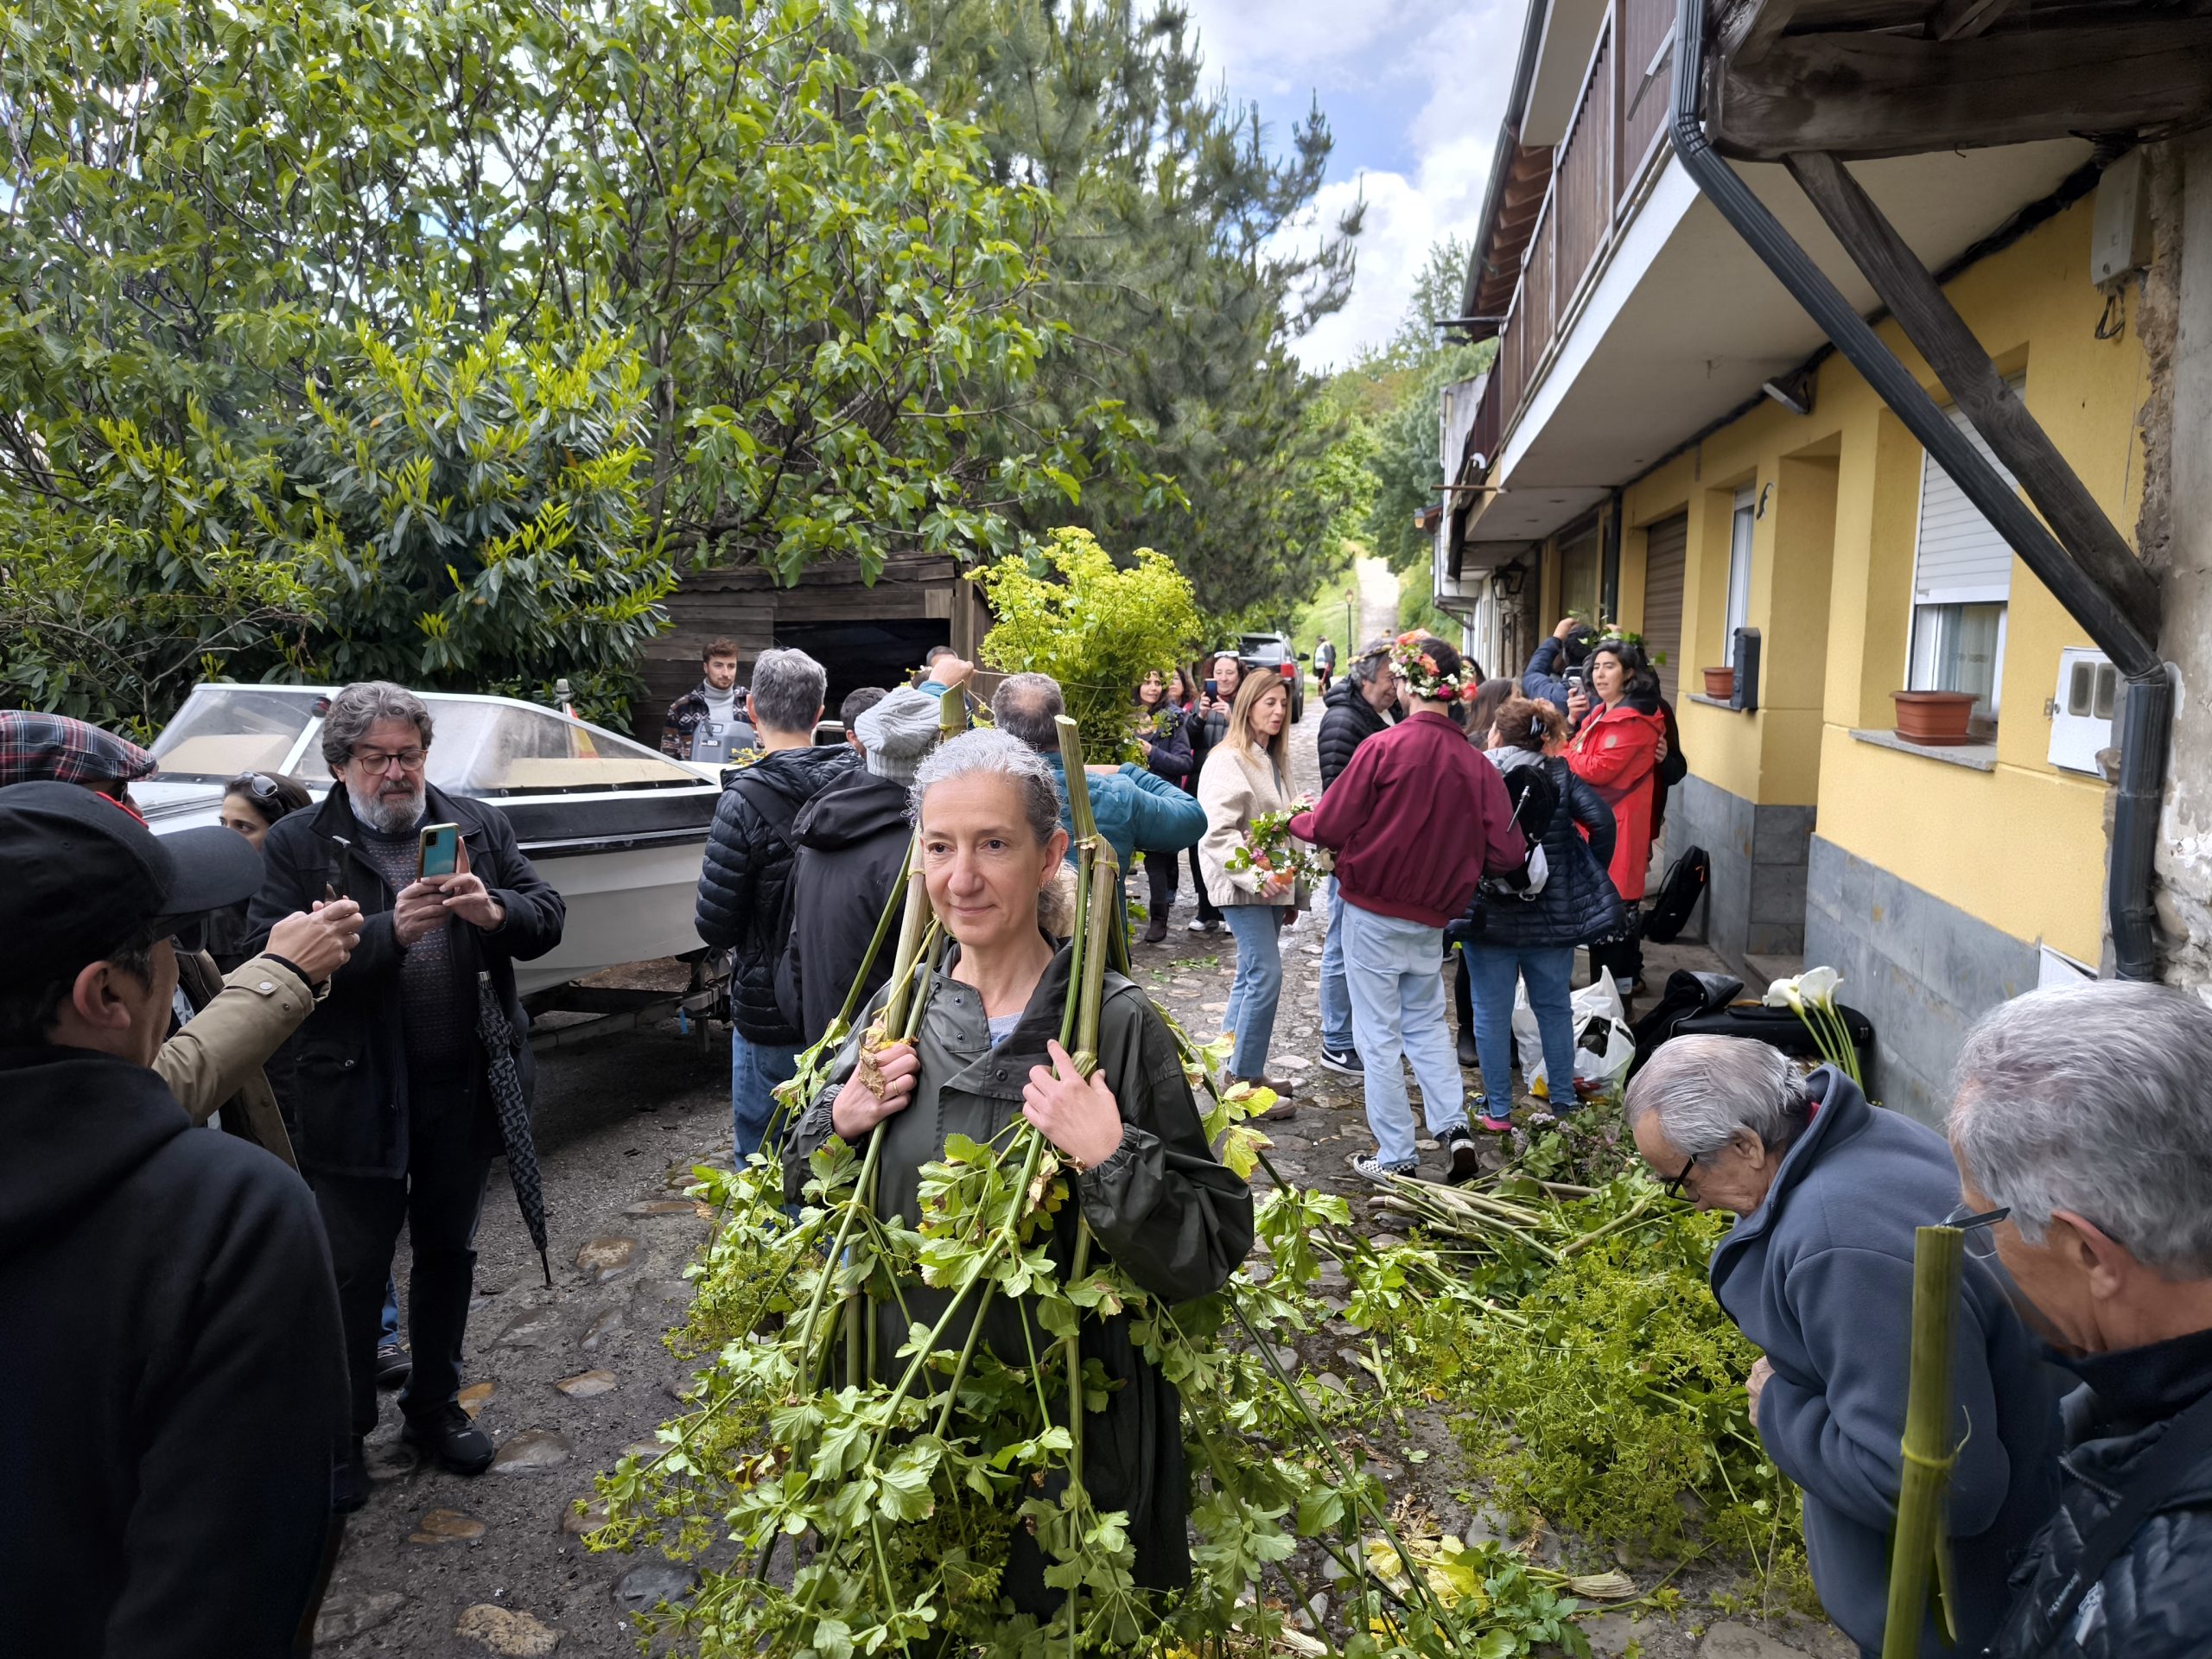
{"type": "Point", "coordinates": [1416, 820]}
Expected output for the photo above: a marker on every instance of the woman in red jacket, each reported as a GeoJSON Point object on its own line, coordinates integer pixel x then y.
{"type": "Point", "coordinates": [1617, 752]}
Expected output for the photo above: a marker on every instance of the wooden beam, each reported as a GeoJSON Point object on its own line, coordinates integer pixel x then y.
{"type": "Point", "coordinates": [1866, 95]}
{"type": "Point", "coordinates": [1962, 20]}
{"type": "Point", "coordinates": [1942, 336]}
{"type": "Point", "coordinates": [1750, 30]}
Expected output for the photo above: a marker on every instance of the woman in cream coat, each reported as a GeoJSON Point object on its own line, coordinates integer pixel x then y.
{"type": "Point", "coordinates": [1245, 775]}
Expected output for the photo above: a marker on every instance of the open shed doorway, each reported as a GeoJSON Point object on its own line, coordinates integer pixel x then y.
{"type": "Point", "coordinates": [881, 653]}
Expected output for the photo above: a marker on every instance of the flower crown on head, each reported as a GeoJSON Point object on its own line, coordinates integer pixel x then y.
{"type": "Point", "coordinates": [1424, 678]}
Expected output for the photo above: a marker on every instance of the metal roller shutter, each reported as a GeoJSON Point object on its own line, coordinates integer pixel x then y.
{"type": "Point", "coordinates": [1962, 558]}
{"type": "Point", "coordinates": [1666, 544]}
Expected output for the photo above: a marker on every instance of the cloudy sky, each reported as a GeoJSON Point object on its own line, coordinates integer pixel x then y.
{"type": "Point", "coordinates": [1414, 90]}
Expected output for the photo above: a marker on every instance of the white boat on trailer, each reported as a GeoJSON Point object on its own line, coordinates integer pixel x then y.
{"type": "Point", "coordinates": [618, 829]}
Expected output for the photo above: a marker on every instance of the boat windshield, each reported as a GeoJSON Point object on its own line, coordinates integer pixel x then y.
{"type": "Point", "coordinates": [480, 745]}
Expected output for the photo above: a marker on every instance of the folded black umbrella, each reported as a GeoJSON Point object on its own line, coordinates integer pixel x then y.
{"type": "Point", "coordinates": [514, 1114]}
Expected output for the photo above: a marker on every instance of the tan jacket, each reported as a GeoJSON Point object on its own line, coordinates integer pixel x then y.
{"type": "Point", "coordinates": [1234, 787]}
{"type": "Point", "coordinates": [210, 1061]}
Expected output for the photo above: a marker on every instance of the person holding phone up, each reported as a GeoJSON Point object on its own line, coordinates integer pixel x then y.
{"type": "Point", "coordinates": [394, 1117]}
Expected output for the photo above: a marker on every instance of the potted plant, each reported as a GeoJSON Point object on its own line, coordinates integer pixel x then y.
{"type": "Point", "coordinates": [1938, 718]}
{"type": "Point", "coordinates": [1720, 684]}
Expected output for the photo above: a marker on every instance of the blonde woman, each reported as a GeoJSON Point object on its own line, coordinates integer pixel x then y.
{"type": "Point", "coordinates": [1245, 775]}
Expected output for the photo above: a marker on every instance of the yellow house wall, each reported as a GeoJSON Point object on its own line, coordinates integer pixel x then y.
{"type": "Point", "coordinates": [2021, 846]}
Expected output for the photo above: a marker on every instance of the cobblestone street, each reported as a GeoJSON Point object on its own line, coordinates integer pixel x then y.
{"type": "Point", "coordinates": [566, 1378]}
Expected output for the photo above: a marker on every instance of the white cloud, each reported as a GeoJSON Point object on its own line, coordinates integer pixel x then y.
{"type": "Point", "coordinates": [1448, 66]}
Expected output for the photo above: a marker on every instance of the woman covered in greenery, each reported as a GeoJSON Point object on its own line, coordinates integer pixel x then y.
{"type": "Point", "coordinates": [1128, 1140]}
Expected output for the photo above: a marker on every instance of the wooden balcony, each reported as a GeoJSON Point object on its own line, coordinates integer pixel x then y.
{"type": "Point", "coordinates": [1616, 138]}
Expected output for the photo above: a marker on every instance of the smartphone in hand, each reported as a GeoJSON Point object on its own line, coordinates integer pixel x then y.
{"type": "Point", "coordinates": [439, 852]}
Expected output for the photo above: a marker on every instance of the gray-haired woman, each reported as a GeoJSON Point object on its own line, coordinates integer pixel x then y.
{"type": "Point", "coordinates": [1157, 1200]}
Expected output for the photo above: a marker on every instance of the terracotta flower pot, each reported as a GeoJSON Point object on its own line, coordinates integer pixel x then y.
{"type": "Point", "coordinates": [1720, 684]}
{"type": "Point", "coordinates": [1933, 717]}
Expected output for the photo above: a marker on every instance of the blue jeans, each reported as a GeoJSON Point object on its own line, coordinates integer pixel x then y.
{"type": "Point", "coordinates": [389, 1333]}
{"type": "Point", "coordinates": [1397, 1014]}
{"type": "Point", "coordinates": [1257, 988]}
{"type": "Point", "coordinates": [1492, 971]}
{"type": "Point", "coordinates": [1336, 1000]}
{"type": "Point", "coordinates": [756, 1069]}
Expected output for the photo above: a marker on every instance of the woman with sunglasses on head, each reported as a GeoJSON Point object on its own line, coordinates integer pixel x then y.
{"type": "Point", "coordinates": [1828, 1192]}
{"type": "Point", "coordinates": [252, 803]}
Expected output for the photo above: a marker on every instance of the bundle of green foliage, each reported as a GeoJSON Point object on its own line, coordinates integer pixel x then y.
{"type": "Point", "coordinates": [472, 322]}
{"type": "Point", "coordinates": [1095, 625]}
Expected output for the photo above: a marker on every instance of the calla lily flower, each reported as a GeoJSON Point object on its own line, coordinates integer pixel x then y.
{"type": "Point", "coordinates": [1819, 985]}
{"type": "Point", "coordinates": [1783, 994]}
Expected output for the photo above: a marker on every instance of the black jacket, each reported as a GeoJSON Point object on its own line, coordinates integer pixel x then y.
{"type": "Point", "coordinates": [749, 855]}
{"type": "Point", "coordinates": [1347, 722]}
{"type": "Point", "coordinates": [1161, 1207]}
{"type": "Point", "coordinates": [175, 1380]}
{"type": "Point", "coordinates": [1577, 903]}
{"type": "Point", "coordinates": [852, 838]}
{"type": "Point", "coordinates": [1174, 744]}
{"type": "Point", "coordinates": [350, 1059]}
{"type": "Point", "coordinates": [2154, 1601]}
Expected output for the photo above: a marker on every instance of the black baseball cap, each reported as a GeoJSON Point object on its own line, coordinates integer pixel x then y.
{"type": "Point", "coordinates": [85, 874]}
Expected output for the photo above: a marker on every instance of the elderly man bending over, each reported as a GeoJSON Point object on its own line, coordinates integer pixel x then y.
{"type": "Point", "coordinates": [2079, 1118]}
{"type": "Point", "coordinates": [1818, 1272]}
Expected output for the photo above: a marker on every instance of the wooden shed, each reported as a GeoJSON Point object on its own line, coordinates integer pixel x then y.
{"type": "Point", "coordinates": [863, 633]}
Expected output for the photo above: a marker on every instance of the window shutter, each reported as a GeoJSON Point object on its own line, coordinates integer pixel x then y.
{"type": "Point", "coordinates": [1962, 560]}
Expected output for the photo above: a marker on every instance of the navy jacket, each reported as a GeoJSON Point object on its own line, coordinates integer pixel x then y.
{"type": "Point", "coordinates": [750, 853]}
{"type": "Point", "coordinates": [1577, 903]}
{"type": "Point", "coordinates": [1544, 678]}
{"type": "Point", "coordinates": [1820, 1276]}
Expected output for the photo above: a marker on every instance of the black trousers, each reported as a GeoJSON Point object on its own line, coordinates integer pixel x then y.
{"type": "Point", "coordinates": [1160, 873]}
{"type": "Point", "coordinates": [1208, 910]}
{"type": "Point", "coordinates": [440, 1198]}
{"type": "Point", "coordinates": [1621, 955]}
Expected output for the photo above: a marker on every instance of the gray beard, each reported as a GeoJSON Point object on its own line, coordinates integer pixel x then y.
{"type": "Point", "coordinates": [386, 818]}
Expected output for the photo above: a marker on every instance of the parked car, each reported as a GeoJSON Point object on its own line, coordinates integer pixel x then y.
{"type": "Point", "coordinates": [1273, 653]}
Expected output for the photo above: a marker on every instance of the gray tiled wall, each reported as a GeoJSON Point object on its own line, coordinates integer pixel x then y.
{"type": "Point", "coordinates": [1923, 970]}
{"type": "Point", "coordinates": [1756, 905]}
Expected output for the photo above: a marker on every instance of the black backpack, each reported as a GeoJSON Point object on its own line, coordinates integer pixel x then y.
{"type": "Point", "coordinates": [1678, 895]}
{"type": "Point", "coordinates": [1534, 798]}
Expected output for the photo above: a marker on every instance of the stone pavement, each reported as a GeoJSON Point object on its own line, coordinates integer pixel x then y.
{"type": "Point", "coordinates": [566, 1378]}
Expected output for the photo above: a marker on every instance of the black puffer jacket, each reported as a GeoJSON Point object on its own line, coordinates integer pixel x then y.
{"type": "Point", "coordinates": [2155, 1601]}
{"type": "Point", "coordinates": [1170, 755]}
{"type": "Point", "coordinates": [749, 853]}
{"type": "Point", "coordinates": [1577, 903]}
{"type": "Point", "coordinates": [1347, 722]}
{"type": "Point", "coordinates": [851, 837]}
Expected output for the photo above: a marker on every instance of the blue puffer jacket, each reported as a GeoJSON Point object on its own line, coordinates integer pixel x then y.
{"type": "Point", "coordinates": [1820, 1278]}
{"type": "Point", "coordinates": [1544, 678]}
{"type": "Point", "coordinates": [1135, 809]}
{"type": "Point", "coordinates": [1577, 903]}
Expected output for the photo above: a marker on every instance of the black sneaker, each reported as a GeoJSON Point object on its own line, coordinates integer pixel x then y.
{"type": "Point", "coordinates": [349, 1480]}
{"type": "Point", "coordinates": [393, 1366]}
{"type": "Point", "coordinates": [1368, 1167]}
{"type": "Point", "coordinates": [1344, 1062]}
{"type": "Point", "coordinates": [1462, 1158]}
{"type": "Point", "coordinates": [449, 1435]}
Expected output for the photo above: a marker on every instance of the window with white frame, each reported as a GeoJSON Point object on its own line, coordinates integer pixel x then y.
{"type": "Point", "coordinates": [1740, 569]}
{"type": "Point", "coordinates": [1961, 586]}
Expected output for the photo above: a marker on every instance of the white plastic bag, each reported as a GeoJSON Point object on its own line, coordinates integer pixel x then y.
{"type": "Point", "coordinates": [1603, 1046]}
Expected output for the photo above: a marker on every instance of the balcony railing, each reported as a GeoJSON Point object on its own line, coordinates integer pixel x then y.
{"type": "Point", "coordinates": [1611, 145]}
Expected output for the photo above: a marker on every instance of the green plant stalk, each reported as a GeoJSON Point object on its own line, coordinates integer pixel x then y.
{"type": "Point", "coordinates": [893, 903]}
{"type": "Point", "coordinates": [1938, 1260]}
{"type": "Point", "coordinates": [838, 1249]}
{"type": "Point", "coordinates": [1098, 924]}
{"type": "Point", "coordinates": [912, 926]}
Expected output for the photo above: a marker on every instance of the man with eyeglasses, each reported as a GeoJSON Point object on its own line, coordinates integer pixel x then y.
{"type": "Point", "coordinates": [2083, 1134]}
{"type": "Point", "coordinates": [1828, 1191]}
{"type": "Point", "coordinates": [395, 1117]}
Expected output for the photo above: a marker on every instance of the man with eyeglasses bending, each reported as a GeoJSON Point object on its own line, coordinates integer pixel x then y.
{"type": "Point", "coordinates": [2082, 1130]}
{"type": "Point", "coordinates": [1828, 1191]}
{"type": "Point", "coordinates": [395, 1118]}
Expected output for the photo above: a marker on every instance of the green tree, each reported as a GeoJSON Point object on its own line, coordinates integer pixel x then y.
{"type": "Point", "coordinates": [1181, 275]}
{"type": "Point", "coordinates": [482, 316]}
{"type": "Point", "coordinates": [1093, 623]}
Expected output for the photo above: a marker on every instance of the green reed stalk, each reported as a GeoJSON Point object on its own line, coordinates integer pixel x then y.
{"type": "Point", "coordinates": [1938, 1262]}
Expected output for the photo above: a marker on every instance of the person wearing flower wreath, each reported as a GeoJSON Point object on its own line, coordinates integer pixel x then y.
{"type": "Point", "coordinates": [1617, 752]}
{"type": "Point", "coordinates": [1247, 776]}
{"type": "Point", "coordinates": [1415, 821]}
{"type": "Point", "coordinates": [987, 1055]}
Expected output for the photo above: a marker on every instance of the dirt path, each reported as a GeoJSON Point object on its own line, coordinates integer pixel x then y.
{"type": "Point", "coordinates": [565, 1379]}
